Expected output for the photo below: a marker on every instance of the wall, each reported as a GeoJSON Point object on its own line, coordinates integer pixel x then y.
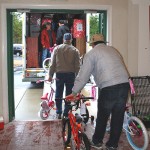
{"type": "Point", "coordinates": [138, 38]}
{"type": "Point", "coordinates": [0, 72]}
{"type": "Point", "coordinates": [133, 26]}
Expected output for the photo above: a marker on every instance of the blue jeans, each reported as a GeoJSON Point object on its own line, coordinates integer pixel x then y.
{"type": "Point", "coordinates": [112, 100]}
{"type": "Point", "coordinates": [45, 54]}
{"type": "Point", "coordinates": [64, 80]}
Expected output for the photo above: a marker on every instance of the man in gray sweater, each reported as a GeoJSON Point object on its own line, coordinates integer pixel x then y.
{"type": "Point", "coordinates": [107, 66]}
{"type": "Point", "coordinates": [66, 64]}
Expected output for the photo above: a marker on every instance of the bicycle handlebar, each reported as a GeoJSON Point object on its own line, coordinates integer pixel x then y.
{"type": "Point", "coordinates": [76, 99]}
{"type": "Point", "coordinates": [39, 81]}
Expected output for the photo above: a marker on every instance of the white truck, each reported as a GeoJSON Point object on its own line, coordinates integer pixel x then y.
{"type": "Point", "coordinates": [31, 54]}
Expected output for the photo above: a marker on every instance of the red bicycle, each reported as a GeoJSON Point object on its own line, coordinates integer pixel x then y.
{"type": "Point", "coordinates": [73, 126]}
{"type": "Point", "coordinates": [47, 102]}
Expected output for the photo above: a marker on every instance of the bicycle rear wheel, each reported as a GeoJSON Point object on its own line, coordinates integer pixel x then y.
{"type": "Point", "coordinates": [85, 144]}
{"type": "Point", "coordinates": [46, 64]}
{"type": "Point", "coordinates": [66, 131]}
{"type": "Point", "coordinates": [137, 135]}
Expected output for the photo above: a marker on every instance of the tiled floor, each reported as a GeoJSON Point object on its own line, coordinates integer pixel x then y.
{"type": "Point", "coordinates": [32, 135]}
{"type": "Point", "coordinates": [43, 135]}
{"type": "Point", "coordinates": [29, 132]}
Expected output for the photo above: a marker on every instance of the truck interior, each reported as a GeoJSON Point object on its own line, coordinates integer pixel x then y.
{"type": "Point", "coordinates": [74, 20]}
{"type": "Point", "coordinates": [34, 23]}
{"type": "Point", "coordinates": [78, 23]}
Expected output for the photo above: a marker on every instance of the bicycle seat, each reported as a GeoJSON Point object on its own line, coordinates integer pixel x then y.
{"type": "Point", "coordinates": [45, 96]}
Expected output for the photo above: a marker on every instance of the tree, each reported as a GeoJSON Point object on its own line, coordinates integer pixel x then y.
{"type": "Point", "coordinates": [94, 21]}
{"type": "Point", "coordinates": [17, 28]}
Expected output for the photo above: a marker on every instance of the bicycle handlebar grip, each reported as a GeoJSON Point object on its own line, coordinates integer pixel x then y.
{"type": "Point", "coordinates": [87, 98]}
{"type": "Point", "coordinates": [60, 98]}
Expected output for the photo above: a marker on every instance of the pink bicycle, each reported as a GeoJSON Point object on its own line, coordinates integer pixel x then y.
{"type": "Point", "coordinates": [47, 101]}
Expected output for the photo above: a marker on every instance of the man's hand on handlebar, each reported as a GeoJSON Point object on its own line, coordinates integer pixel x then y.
{"type": "Point", "coordinates": [50, 79]}
{"type": "Point", "coordinates": [72, 97]}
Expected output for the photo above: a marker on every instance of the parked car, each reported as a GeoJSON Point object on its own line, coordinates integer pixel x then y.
{"type": "Point", "coordinates": [17, 48]}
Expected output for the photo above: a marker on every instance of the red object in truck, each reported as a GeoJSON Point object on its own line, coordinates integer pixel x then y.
{"type": "Point", "coordinates": [78, 28]}
{"type": "Point", "coordinates": [32, 52]}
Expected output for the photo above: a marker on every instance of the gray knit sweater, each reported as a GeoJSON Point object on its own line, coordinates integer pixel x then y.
{"type": "Point", "coordinates": [106, 65]}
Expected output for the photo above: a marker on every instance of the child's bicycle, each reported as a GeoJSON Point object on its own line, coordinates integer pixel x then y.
{"type": "Point", "coordinates": [135, 130]}
{"type": "Point", "coordinates": [47, 102]}
{"type": "Point", "coordinates": [73, 127]}
{"type": "Point", "coordinates": [47, 62]}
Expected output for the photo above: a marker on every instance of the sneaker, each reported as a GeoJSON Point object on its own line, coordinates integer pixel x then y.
{"type": "Point", "coordinates": [97, 146]}
{"type": "Point", "coordinates": [110, 148]}
{"type": "Point", "coordinates": [58, 116]}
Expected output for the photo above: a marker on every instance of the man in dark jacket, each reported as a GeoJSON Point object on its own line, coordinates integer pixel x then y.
{"type": "Point", "coordinates": [62, 29]}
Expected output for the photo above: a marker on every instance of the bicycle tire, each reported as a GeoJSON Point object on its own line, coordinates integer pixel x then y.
{"type": "Point", "coordinates": [85, 144]}
{"type": "Point", "coordinates": [66, 131]}
{"type": "Point", "coordinates": [44, 114]}
{"type": "Point", "coordinates": [46, 64]}
{"type": "Point", "coordinates": [85, 116]}
{"type": "Point", "coordinates": [139, 130]}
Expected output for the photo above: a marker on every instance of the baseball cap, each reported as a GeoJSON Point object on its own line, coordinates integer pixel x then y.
{"type": "Point", "coordinates": [61, 21]}
{"type": "Point", "coordinates": [96, 38]}
{"type": "Point", "coordinates": [67, 37]}
{"type": "Point", "coordinates": [48, 23]}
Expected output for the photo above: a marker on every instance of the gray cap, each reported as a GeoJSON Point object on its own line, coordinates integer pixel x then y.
{"type": "Point", "coordinates": [67, 37]}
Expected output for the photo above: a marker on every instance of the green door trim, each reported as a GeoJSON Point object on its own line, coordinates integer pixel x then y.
{"type": "Point", "coordinates": [10, 74]}
{"type": "Point", "coordinates": [103, 23]}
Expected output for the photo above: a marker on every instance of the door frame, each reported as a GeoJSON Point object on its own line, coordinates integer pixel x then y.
{"type": "Point", "coordinates": [7, 60]}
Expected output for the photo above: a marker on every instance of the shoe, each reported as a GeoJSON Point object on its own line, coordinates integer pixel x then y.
{"type": "Point", "coordinates": [58, 116]}
{"type": "Point", "coordinates": [110, 148]}
{"type": "Point", "coordinates": [97, 146]}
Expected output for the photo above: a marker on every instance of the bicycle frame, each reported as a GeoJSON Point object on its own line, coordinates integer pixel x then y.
{"type": "Point", "coordinates": [47, 102]}
{"type": "Point", "coordinates": [127, 117]}
{"type": "Point", "coordinates": [49, 96]}
{"type": "Point", "coordinates": [76, 129]}
{"type": "Point", "coordinates": [76, 121]}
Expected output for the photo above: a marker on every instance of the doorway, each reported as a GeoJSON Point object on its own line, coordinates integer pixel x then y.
{"type": "Point", "coordinates": [102, 22]}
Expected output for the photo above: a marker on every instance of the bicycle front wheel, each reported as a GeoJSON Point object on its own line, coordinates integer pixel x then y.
{"type": "Point", "coordinates": [46, 64]}
{"type": "Point", "coordinates": [137, 135]}
{"type": "Point", "coordinates": [85, 144]}
{"type": "Point", "coordinates": [44, 114]}
{"type": "Point", "coordinates": [66, 131]}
